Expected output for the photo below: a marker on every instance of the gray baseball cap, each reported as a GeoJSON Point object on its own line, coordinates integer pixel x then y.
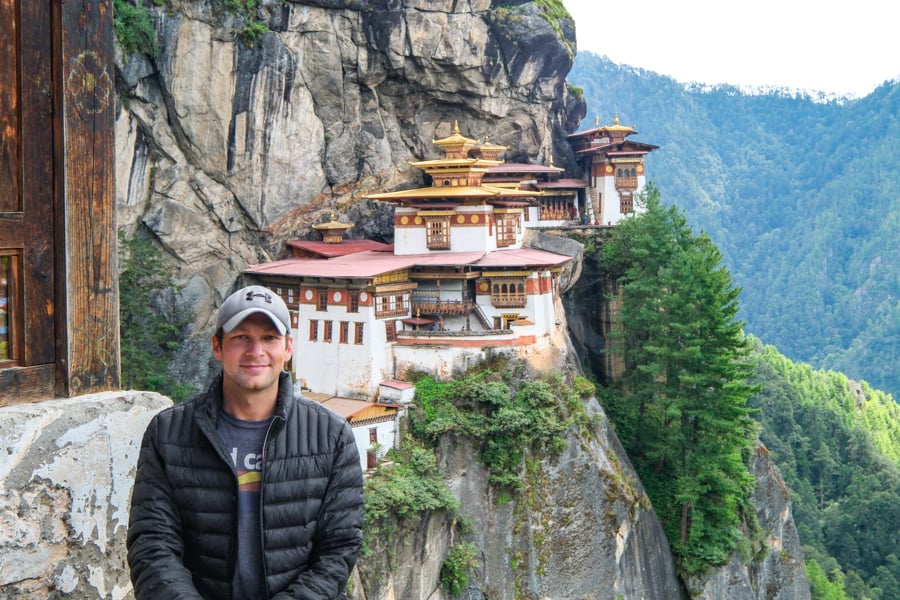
{"type": "Point", "coordinates": [250, 300]}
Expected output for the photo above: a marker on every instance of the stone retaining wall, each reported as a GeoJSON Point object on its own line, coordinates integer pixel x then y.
{"type": "Point", "coordinates": [66, 473]}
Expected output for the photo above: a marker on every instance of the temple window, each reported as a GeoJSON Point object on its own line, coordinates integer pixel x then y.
{"type": "Point", "coordinates": [626, 178]}
{"type": "Point", "coordinates": [354, 302]}
{"type": "Point", "coordinates": [329, 330]}
{"type": "Point", "coordinates": [358, 339]}
{"type": "Point", "coordinates": [322, 300]}
{"type": "Point", "coordinates": [313, 330]}
{"type": "Point", "coordinates": [390, 330]}
{"type": "Point", "coordinates": [506, 293]}
{"type": "Point", "coordinates": [344, 334]}
{"type": "Point", "coordinates": [290, 296]}
{"type": "Point", "coordinates": [506, 230]}
{"type": "Point", "coordinates": [391, 306]}
{"type": "Point", "coordinates": [437, 232]}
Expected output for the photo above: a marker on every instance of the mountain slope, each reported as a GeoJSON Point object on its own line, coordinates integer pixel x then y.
{"type": "Point", "coordinates": [799, 195]}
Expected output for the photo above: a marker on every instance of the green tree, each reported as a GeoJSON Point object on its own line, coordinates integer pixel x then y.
{"type": "Point", "coordinates": [682, 408]}
{"type": "Point", "coordinates": [151, 323]}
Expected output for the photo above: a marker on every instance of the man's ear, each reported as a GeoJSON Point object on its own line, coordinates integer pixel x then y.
{"type": "Point", "coordinates": [217, 347]}
{"type": "Point", "coordinates": [289, 348]}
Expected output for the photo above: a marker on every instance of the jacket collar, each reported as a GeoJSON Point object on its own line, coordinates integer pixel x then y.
{"type": "Point", "coordinates": [212, 400]}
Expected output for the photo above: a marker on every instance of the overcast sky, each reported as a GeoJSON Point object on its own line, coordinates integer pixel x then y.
{"type": "Point", "coordinates": [818, 45]}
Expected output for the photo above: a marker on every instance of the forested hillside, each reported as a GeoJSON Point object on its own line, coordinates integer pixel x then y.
{"type": "Point", "coordinates": [801, 196]}
{"type": "Point", "coordinates": [681, 411]}
{"type": "Point", "coordinates": [837, 444]}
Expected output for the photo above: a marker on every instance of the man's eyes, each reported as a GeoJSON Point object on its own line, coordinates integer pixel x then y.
{"type": "Point", "coordinates": [265, 338]}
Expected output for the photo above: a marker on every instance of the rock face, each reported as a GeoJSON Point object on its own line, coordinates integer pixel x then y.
{"type": "Point", "coordinates": [582, 527]}
{"type": "Point", "coordinates": [66, 472]}
{"type": "Point", "coordinates": [777, 572]}
{"type": "Point", "coordinates": [225, 149]}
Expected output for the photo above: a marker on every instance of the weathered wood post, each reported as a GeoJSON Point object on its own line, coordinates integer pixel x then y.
{"type": "Point", "coordinates": [88, 162]}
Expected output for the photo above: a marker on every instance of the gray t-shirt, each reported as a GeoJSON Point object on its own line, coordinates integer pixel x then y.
{"type": "Point", "coordinates": [244, 442]}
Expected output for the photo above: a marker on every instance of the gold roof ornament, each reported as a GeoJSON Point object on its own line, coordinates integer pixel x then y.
{"type": "Point", "coordinates": [333, 230]}
{"type": "Point", "coordinates": [489, 151]}
{"type": "Point", "coordinates": [618, 127]}
{"type": "Point", "coordinates": [455, 145]}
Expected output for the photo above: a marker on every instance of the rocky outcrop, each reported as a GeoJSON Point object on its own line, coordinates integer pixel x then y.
{"type": "Point", "coordinates": [777, 571]}
{"type": "Point", "coordinates": [66, 472]}
{"type": "Point", "coordinates": [582, 527]}
{"type": "Point", "coordinates": [225, 149]}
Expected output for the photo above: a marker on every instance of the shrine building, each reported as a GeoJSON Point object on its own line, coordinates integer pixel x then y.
{"type": "Point", "coordinates": [613, 168]}
{"type": "Point", "coordinates": [456, 282]}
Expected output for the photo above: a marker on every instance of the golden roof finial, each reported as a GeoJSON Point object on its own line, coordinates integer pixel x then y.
{"type": "Point", "coordinates": [616, 120]}
{"type": "Point", "coordinates": [596, 120]}
{"type": "Point", "coordinates": [455, 127]}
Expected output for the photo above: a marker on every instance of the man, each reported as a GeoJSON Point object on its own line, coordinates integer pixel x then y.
{"type": "Point", "coordinates": [246, 492]}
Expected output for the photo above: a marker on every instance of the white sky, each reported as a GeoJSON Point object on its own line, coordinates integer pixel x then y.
{"type": "Point", "coordinates": [817, 45]}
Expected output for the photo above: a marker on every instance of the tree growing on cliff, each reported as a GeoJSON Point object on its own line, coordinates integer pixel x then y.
{"type": "Point", "coordinates": [681, 408]}
{"type": "Point", "coordinates": [150, 321]}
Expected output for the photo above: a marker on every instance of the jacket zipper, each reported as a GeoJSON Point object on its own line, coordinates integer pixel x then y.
{"type": "Point", "coordinates": [262, 492]}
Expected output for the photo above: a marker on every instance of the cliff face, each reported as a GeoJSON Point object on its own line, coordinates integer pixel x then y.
{"type": "Point", "coordinates": [225, 150]}
{"type": "Point", "coordinates": [777, 572]}
{"type": "Point", "coordinates": [582, 527]}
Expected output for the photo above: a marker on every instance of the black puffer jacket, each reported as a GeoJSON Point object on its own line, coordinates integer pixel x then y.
{"type": "Point", "coordinates": [181, 533]}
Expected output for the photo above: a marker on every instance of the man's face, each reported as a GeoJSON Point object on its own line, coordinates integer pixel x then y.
{"type": "Point", "coordinates": [253, 354]}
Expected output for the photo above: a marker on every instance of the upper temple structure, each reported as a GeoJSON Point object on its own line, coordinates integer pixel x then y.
{"type": "Point", "coordinates": [458, 279]}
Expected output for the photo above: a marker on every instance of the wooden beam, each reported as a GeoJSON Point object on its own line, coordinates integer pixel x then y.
{"type": "Point", "coordinates": [88, 101]}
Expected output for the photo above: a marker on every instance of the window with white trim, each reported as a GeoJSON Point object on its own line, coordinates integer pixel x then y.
{"type": "Point", "coordinates": [437, 232]}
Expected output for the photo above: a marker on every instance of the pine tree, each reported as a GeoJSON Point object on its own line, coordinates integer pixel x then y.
{"type": "Point", "coordinates": [682, 413]}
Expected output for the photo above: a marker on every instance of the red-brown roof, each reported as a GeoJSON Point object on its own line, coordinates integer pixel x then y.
{"type": "Point", "coordinates": [562, 184]}
{"type": "Point", "coordinates": [369, 264]}
{"type": "Point", "coordinates": [524, 168]}
{"type": "Point", "coordinates": [524, 257]}
{"type": "Point", "coordinates": [361, 265]}
{"type": "Point", "coordinates": [345, 247]}
{"type": "Point", "coordinates": [626, 146]}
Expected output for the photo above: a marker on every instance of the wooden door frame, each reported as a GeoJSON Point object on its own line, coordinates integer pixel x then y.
{"type": "Point", "coordinates": [65, 160]}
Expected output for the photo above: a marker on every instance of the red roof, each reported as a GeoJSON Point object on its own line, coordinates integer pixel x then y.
{"type": "Point", "coordinates": [369, 264]}
{"type": "Point", "coordinates": [345, 247]}
{"type": "Point", "coordinates": [617, 148]}
{"type": "Point", "coordinates": [523, 257]}
{"type": "Point", "coordinates": [562, 184]}
{"type": "Point", "coordinates": [523, 168]}
{"type": "Point", "coordinates": [398, 385]}
{"type": "Point", "coordinates": [360, 265]}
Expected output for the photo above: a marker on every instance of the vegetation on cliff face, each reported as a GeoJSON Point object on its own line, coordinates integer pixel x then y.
{"type": "Point", "coordinates": [133, 27]}
{"type": "Point", "coordinates": [504, 413]}
{"type": "Point", "coordinates": [150, 322]}
{"type": "Point", "coordinates": [410, 486]}
{"type": "Point", "coordinates": [136, 34]}
{"type": "Point", "coordinates": [681, 410]}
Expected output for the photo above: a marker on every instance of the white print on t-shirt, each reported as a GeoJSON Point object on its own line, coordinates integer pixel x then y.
{"type": "Point", "coordinates": [252, 461]}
